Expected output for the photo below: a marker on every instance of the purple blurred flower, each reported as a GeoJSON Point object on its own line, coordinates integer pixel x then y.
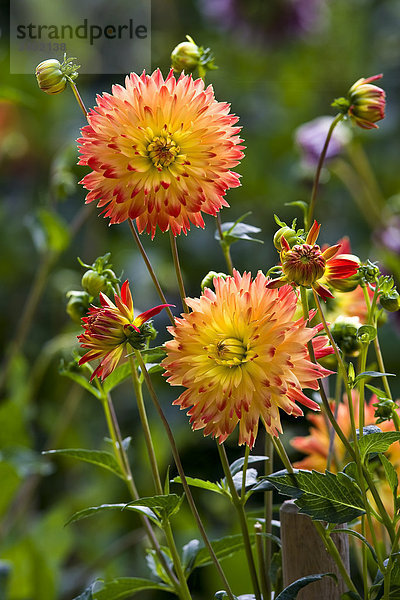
{"type": "Point", "coordinates": [311, 137]}
{"type": "Point", "coordinates": [389, 235]}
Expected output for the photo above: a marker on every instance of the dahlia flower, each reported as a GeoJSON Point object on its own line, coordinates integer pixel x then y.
{"type": "Point", "coordinates": [161, 152]}
{"type": "Point", "coordinates": [110, 328]}
{"type": "Point", "coordinates": [367, 102]}
{"type": "Point", "coordinates": [241, 356]}
{"type": "Point", "coordinates": [306, 264]}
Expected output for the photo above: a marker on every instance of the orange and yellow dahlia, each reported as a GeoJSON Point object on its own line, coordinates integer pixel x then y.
{"type": "Point", "coordinates": [110, 327]}
{"type": "Point", "coordinates": [242, 357]}
{"type": "Point", "coordinates": [161, 152]}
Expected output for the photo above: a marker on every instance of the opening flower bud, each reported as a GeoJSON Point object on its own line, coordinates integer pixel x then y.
{"type": "Point", "coordinates": [50, 77]}
{"type": "Point", "coordinates": [290, 237]}
{"type": "Point", "coordinates": [185, 56]}
{"type": "Point", "coordinates": [367, 102]}
{"type": "Point", "coordinates": [390, 301]}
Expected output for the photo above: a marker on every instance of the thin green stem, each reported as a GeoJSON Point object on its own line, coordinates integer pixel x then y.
{"type": "Point", "coordinates": [242, 520]}
{"type": "Point", "coordinates": [181, 472]}
{"type": "Point", "coordinates": [244, 473]}
{"type": "Point", "coordinates": [334, 552]}
{"type": "Point", "coordinates": [150, 269]}
{"type": "Point", "coordinates": [314, 192]}
{"type": "Point", "coordinates": [280, 449]}
{"type": "Point", "coordinates": [78, 97]}
{"type": "Point", "coordinates": [269, 468]}
{"type": "Point", "coordinates": [364, 560]}
{"type": "Point", "coordinates": [262, 562]}
{"type": "Point", "coordinates": [338, 395]}
{"type": "Point", "coordinates": [361, 390]}
{"type": "Point", "coordinates": [178, 271]}
{"type": "Point", "coordinates": [137, 385]}
{"type": "Point", "coordinates": [360, 161]}
{"type": "Point", "coordinates": [224, 247]}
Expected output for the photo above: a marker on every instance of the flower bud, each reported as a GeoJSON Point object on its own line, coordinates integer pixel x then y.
{"type": "Point", "coordinates": [207, 281]}
{"type": "Point", "coordinates": [185, 57]}
{"type": "Point", "coordinates": [367, 102]}
{"type": "Point", "coordinates": [50, 77]}
{"type": "Point", "coordinates": [94, 283]}
{"type": "Point", "coordinates": [390, 301]}
{"type": "Point", "coordinates": [303, 264]}
{"type": "Point", "coordinates": [290, 237]}
{"type": "Point", "coordinates": [384, 410]}
{"type": "Point", "coordinates": [344, 331]}
{"type": "Point", "coordinates": [138, 339]}
{"type": "Point", "coordinates": [78, 305]}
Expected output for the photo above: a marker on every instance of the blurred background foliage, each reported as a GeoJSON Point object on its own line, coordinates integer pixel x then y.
{"type": "Point", "coordinates": [281, 63]}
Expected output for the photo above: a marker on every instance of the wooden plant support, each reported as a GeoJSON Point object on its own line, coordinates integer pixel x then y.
{"type": "Point", "coordinates": [303, 553]}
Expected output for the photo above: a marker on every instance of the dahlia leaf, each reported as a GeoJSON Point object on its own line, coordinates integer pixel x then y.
{"type": "Point", "coordinates": [223, 548]}
{"type": "Point", "coordinates": [368, 374]}
{"type": "Point", "coordinates": [80, 380]}
{"type": "Point", "coordinates": [291, 591]}
{"type": "Point", "coordinates": [93, 510]}
{"type": "Point", "coordinates": [202, 483]}
{"type": "Point", "coordinates": [390, 473]}
{"type": "Point", "coordinates": [116, 377]}
{"type": "Point", "coordinates": [238, 464]}
{"type": "Point", "coordinates": [96, 457]}
{"type": "Point", "coordinates": [251, 479]}
{"type": "Point", "coordinates": [360, 537]}
{"type": "Point", "coordinates": [377, 442]}
{"type": "Point", "coordinates": [322, 496]}
{"type": "Point", "coordinates": [154, 355]}
{"type": "Point", "coordinates": [163, 505]}
{"type": "Point", "coordinates": [125, 587]}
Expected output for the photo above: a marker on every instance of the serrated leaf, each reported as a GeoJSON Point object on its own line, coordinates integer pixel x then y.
{"type": "Point", "coordinates": [266, 486]}
{"type": "Point", "coordinates": [82, 381]}
{"type": "Point", "coordinates": [223, 548]}
{"type": "Point", "coordinates": [125, 587]}
{"type": "Point", "coordinates": [377, 442]}
{"type": "Point", "coordinates": [291, 591]}
{"type": "Point", "coordinates": [202, 483]}
{"type": "Point", "coordinates": [236, 466]}
{"type": "Point", "coordinates": [368, 374]}
{"type": "Point", "coordinates": [116, 377]}
{"type": "Point", "coordinates": [93, 510]}
{"type": "Point", "coordinates": [391, 474]}
{"type": "Point", "coordinates": [330, 497]}
{"type": "Point", "coordinates": [360, 537]}
{"type": "Point", "coordinates": [163, 505]}
{"type": "Point", "coordinates": [96, 457]}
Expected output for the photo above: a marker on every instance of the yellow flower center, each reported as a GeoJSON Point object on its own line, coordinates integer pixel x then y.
{"type": "Point", "coordinates": [163, 151]}
{"type": "Point", "coordinates": [230, 352]}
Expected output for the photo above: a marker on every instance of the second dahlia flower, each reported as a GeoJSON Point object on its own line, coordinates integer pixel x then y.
{"type": "Point", "coordinates": [110, 328]}
{"type": "Point", "coordinates": [241, 356]}
{"type": "Point", "coordinates": [161, 152]}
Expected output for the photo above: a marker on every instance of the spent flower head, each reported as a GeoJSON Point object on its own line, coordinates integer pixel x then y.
{"type": "Point", "coordinates": [242, 356]}
{"type": "Point", "coordinates": [161, 152]}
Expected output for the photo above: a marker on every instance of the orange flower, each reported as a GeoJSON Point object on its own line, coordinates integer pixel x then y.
{"type": "Point", "coordinates": [161, 152]}
{"type": "Point", "coordinates": [110, 328]}
{"type": "Point", "coordinates": [305, 264]}
{"type": "Point", "coordinates": [241, 357]}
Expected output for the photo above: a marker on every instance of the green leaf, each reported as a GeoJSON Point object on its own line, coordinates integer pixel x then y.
{"type": "Point", "coordinates": [391, 474]}
{"type": "Point", "coordinates": [349, 596]}
{"type": "Point", "coordinates": [368, 374]}
{"type": "Point", "coordinates": [251, 479]}
{"type": "Point", "coordinates": [155, 566]}
{"type": "Point", "coordinates": [201, 483]}
{"type": "Point", "coordinates": [377, 442]}
{"type": "Point", "coordinates": [223, 548]}
{"type": "Point", "coordinates": [154, 355]}
{"type": "Point", "coordinates": [96, 457]}
{"type": "Point", "coordinates": [154, 368]}
{"type": "Point", "coordinates": [234, 231]}
{"type": "Point", "coordinates": [56, 230]}
{"type": "Point", "coordinates": [81, 380]}
{"type": "Point", "coordinates": [116, 377]}
{"type": "Point", "coordinates": [86, 595]}
{"type": "Point", "coordinates": [93, 510]}
{"type": "Point", "coordinates": [322, 496]}
{"type": "Point", "coordinates": [236, 466]}
{"type": "Point", "coordinates": [189, 553]}
{"type": "Point", "coordinates": [163, 505]}
{"type": "Point", "coordinates": [125, 587]}
{"type": "Point", "coordinates": [272, 537]}
{"type": "Point", "coordinates": [360, 537]}
{"type": "Point", "coordinates": [291, 591]}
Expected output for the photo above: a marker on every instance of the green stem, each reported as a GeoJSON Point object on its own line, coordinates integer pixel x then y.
{"type": "Point", "coordinates": [335, 121]}
{"type": "Point", "coordinates": [334, 552]}
{"type": "Point", "coordinates": [150, 269]}
{"type": "Point", "coordinates": [361, 163]}
{"type": "Point", "coordinates": [269, 468]}
{"type": "Point", "coordinates": [361, 390]}
{"type": "Point", "coordinates": [364, 560]}
{"type": "Point", "coordinates": [225, 248]}
{"type": "Point", "coordinates": [178, 271]}
{"type": "Point", "coordinates": [78, 97]}
{"type": "Point", "coordinates": [280, 450]}
{"type": "Point", "coordinates": [262, 562]}
{"type": "Point", "coordinates": [331, 451]}
{"type": "Point", "coordinates": [237, 503]}
{"type": "Point", "coordinates": [244, 472]}
{"type": "Point", "coordinates": [181, 472]}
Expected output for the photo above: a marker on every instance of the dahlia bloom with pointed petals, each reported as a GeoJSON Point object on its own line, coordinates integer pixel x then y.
{"type": "Point", "coordinates": [306, 264]}
{"type": "Point", "coordinates": [161, 152]}
{"type": "Point", "coordinates": [367, 102]}
{"type": "Point", "coordinates": [109, 328]}
{"type": "Point", "coordinates": [241, 356]}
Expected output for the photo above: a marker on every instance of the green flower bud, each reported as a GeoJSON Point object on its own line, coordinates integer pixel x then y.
{"type": "Point", "coordinates": [78, 305]}
{"type": "Point", "coordinates": [94, 283]}
{"type": "Point", "coordinates": [348, 284]}
{"type": "Point", "coordinates": [344, 331]}
{"type": "Point", "coordinates": [185, 57]}
{"type": "Point", "coordinates": [50, 77]}
{"type": "Point", "coordinates": [390, 301]}
{"type": "Point", "coordinates": [384, 410]}
{"type": "Point", "coordinates": [207, 281]}
{"type": "Point", "coordinates": [290, 236]}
